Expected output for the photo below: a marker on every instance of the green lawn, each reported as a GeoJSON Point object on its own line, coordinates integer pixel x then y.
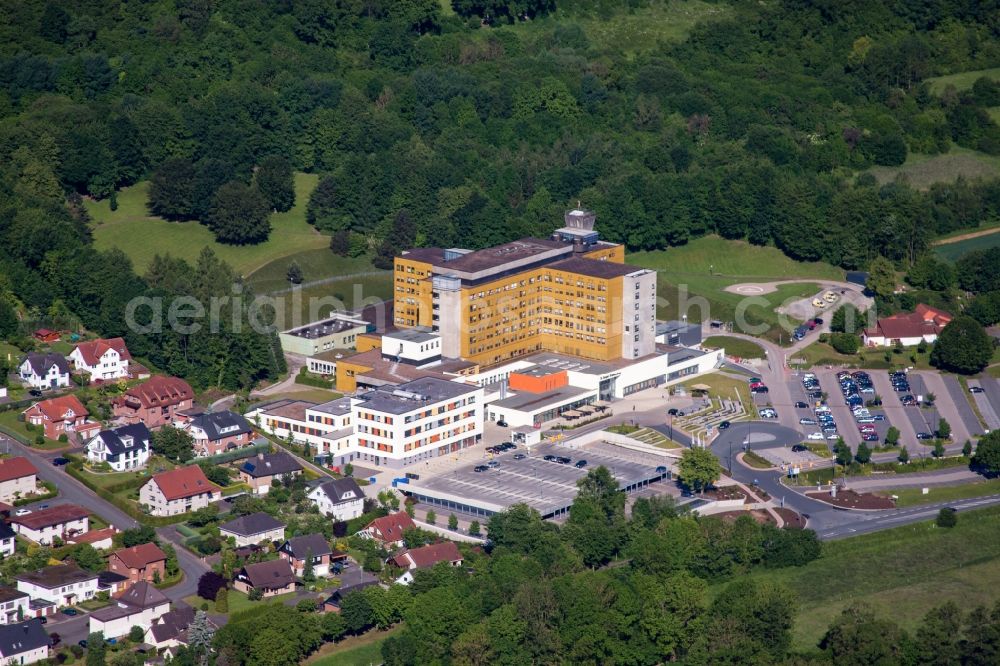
{"type": "Point", "coordinates": [756, 461]}
{"type": "Point", "coordinates": [735, 346]}
{"type": "Point", "coordinates": [723, 386]}
{"type": "Point", "coordinates": [9, 421]}
{"type": "Point", "coordinates": [640, 30]}
{"type": "Point", "coordinates": [912, 496]}
{"type": "Point", "coordinates": [962, 80]}
{"type": "Point", "coordinates": [958, 249]}
{"type": "Point", "coordinates": [703, 268]}
{"type": "Point", "coordinates": [141, 236]}
{"type": "Point", "coordinates": [314, 302]}
{"type": "Point", "coordinates": [316, 264]}
{"type": "Point", "coordinates": [902, 572]}
{"type": "Point", "coordinates": [360, 650]}
{"type": "Point", "coordinates": [922, 171]}
{"type": "Point", "coordinates": [237, 601]}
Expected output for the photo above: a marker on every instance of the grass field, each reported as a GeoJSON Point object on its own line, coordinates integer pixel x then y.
{"type": "Point", "coordinates": [723, 386]}
{"type": "Point", "coordinates": [317, 264]}
{"type": "Point", "coordinates": [141, 236]}
{"type": "Point", "coordinates": [735, 346]}
{"type": "Point", "coordinates": [362, 650]}
{"type": "Point", "coordinates": [315, 302]}
{"type": "Point", "coordinates": [756, 461]}
{"type": "Point", "coordinates": [958, 249]}
{"type": "Point", "coordinates": [643, 29]}
{"type": "Point", "coordinates": [902, 572]}
{"type": "Point", "coordinates": [962, 80]}
{"type": "Point", "coordinates": [913, 496]}
{"type": "Point", "coordinates": [922, 171]}
{"type": "Point", "coordinates": [703, 268]}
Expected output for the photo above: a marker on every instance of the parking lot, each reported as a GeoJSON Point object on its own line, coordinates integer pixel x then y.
{"type": "Point", "coordinates": [547, 486]}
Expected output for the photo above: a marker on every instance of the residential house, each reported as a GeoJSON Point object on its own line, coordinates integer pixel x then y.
{"type": "Point", "coordinates": [103, 360]}
{"type": "Point", "coordinates": [298, 550]}
{"type": "Point", "coordinates": [271, 578]}
{"type": "Point", "coordinates": [17, 478]}
{"type": "Point", "coordinates": [426, 557]}
{"type": "Point", "coordinates": [171, 629]}
{"type": "Point", "coordinates": [260, 471]}
{"type": "Point", "coordinates": [217, 432]}
{"type": "Point", "coordinates": [908, 329]}
{"type": "Point", "coordinates": [332, 603]}
{"type": "Point", "coordinates": [8, 543]}
{"type": "Point", "coordinates": [145, 562]}
{"type": "Point", "coordinates": [99, 539]}
{"type": "Point", "coordinates": [24, 643]}
{"type": "Point", "coordinates": [44, 371]}
{"type": "Point", "coordinates": [64, 415]}
{"type": "Point", "coordinates": [141, 606]}
{"type": "Point", "coordinates": [123, 448]}
{"type": "Point", "coordinates": [178, 491]}
{"type": "Point", "coordinates": [57, 585]}
{"type": "Point", "coordinates": [340, 499]}
{"type": "Point", "coordinates": [156, 402]}
{"type": "Point", "coordinates": [13, 605]}
{"type": "Point", "coordinates": [388, 530]}
{"type": "Point", "coordinates": [252, 529]}
{"type": "Point", "coordinates": [112, 583]}
{"type": "Point", "coordinates": [62, 521]}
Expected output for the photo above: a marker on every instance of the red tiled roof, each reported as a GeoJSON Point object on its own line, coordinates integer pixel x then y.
{"type": "Point", "coordinates": [391, 527]}
{"type": "Point", "coordinates": [138, 557]}
{"type": "Point", "coordinates": [93, 535]}
{"type": "Point", "coordinates": [183, 482]}
{"type": "Point", "coordinates": [57, 515]}
{"type": "Point", "coordinates": [93, 350]}
{"type": "Point", "coordinates": [161, 391]}
{"type": "Point", "coordinates": [54, 409]}
{"type": "Point", "coordinates": [928, 313]}
{"type": "Point", "coordinates": [428, 556]}
{"type": "Point", "coordinates": [911, 325]}
{"type": "Point", "coordinates": [16, 468]}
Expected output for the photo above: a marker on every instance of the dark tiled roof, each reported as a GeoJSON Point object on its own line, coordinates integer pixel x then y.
{"type": "Point", "coordinates": [271, 574]}
{"type": "Point", "coordinates": [312, 544]}
{"type": "Point", "coordinates": [56, 576]}
{"type": "Point", "coordinates": [22, 637]}
{"type": "Point", "coordinates": [115, 439]}
{"type": "Point", "coordinates": [270, 464]}
{"type": "Point", "coordinates": [338, 488]}
{"type": "Point", "coordinates": [41, 363]}
{"type": "Point", "coordinates": [221, 424]}
{"type": "Point", "coordinates": [252, 524]}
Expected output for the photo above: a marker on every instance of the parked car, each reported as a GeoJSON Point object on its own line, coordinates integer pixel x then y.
{"type": "Point", "coordinates": [549, 458]}
{"type": "Point", "coordinates": [799, 448]}
{"type": "Point", "coordinates": [807, 421]}
{"type": "Point", "coordinates": [519, 456]}
{"type": "Point", "coordinates": [580, 464]}
{"type": "Point", "coordinates": [70, 611]}
{"type": "Point", "coordinates": [22, 512]}
{"type": "Point", "coordinates": [661, 469]}
{"type": "Point", "coordinates": [760, 389]}
{"type": "Point", "coordinates": [801, 405]}
{"type": "Point", "coordinates": [724, 425]}
{"type": "Point", "coordinates": [502, 423]}
{"type": "Point", "coordinates": [480, 468]}
{"type": "Point", "coordinates": [814, 436]}
{"type": "Point", "coordinates": [672, 411]}
{"type": "Point", "coordinates": [59, 462]}
{"type": "Point", "coordinates": [975, 389]}
{"type": "Point", "coordinates": [563, 460]}
{"type": "Point", "coordinates": [833, 436]}
{"type": "Point", "coordinates": [493, 464]}
{"type": "Point", "coordinates": [924, 435]}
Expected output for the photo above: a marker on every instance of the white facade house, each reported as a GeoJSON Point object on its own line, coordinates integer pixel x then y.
{"type": "Point", "coordinates": [178, 491]}
{"type": "Point", "coordinates": [24, 643]}
{"type": "Point", "coordinates": [123, 448]}
{"type": "Point", "coordinates": [105, 360]}
{"type": "Point", "coordinates": [340, 499]}
{"type": "Point", "coordinates": [8, 542]}
{"type": "Point", "coordinates": [44, 371]}
{"type": "Point", "coordinates": [13, 605]}
{"type": "Point", "coordinates": [18, 478]}
{"type": "Point", "coordinates": [60, 584]}
{"type": "Point", "coordinates": [60, 521]}
{"type": "Point", "coordinates": [141, 606]}
{"type": "Point", "coordinates": [253, 529]}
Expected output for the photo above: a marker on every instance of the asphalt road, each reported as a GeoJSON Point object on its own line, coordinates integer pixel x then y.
{"type": "Point", "coordinates": [73, 492]}
{"type": "Point", "coordinates": [828, 522]}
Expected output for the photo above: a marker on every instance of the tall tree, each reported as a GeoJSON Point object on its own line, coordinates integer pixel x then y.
{"type": "Point", "coordinates": [698, 469]}
{"type": "Point", "coordinates": [276, 181]}
{"type": "Point", "coordinates": [172, 190]}
{"type": "Point", "coordinates": [963, 346]}
{"type": "Point", "coordinates": [239, 215]}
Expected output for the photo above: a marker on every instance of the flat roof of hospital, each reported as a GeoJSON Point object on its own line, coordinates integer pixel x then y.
{"type": "Point", "coordinates": [534, 401]}
{"type": "Point", "coordinates": [415, 395]}
{"type": "Point", "coordinates": [412, 335]}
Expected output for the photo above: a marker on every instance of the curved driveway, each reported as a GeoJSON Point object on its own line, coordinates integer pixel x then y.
{"type": "Point", "coordinates": [828, 522]}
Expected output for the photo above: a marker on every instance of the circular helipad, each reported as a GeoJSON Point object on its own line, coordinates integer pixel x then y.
{"type": "Point", "coordinates": [749, 289]}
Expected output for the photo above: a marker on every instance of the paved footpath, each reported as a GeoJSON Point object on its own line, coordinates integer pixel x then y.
{"type": "Point", "coordinates": [955, 476]}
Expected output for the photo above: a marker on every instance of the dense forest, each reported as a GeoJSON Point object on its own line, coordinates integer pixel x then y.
{"type": "Point", "coordinates": [475, 125]}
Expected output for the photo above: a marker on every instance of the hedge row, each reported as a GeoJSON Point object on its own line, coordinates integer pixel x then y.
{"type": "Point", "coordinates": [75, 470]}
{"type": "Point", "coordinates": [236, 454]}
{"type": "Point", "coordinates": [53, 492]}
{"type": "Point", "coordinates": [309, 380]}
